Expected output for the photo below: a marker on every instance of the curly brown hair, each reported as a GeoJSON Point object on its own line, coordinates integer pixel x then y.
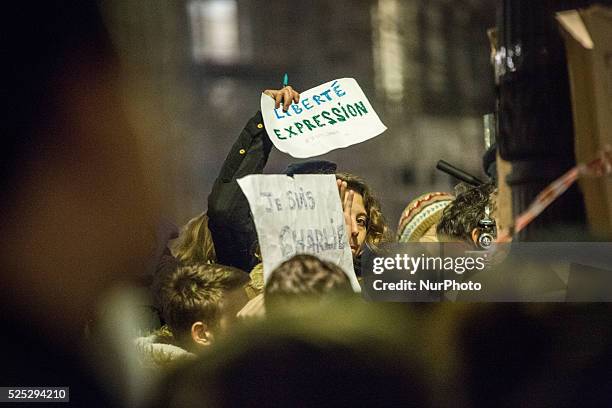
{"type": "Point", "coordinates": [377, 231]}
{"type": "Point", "coordinates": [462, 215]}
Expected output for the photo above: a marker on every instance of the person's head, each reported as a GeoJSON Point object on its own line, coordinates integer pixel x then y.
{"type": "Point", "coordinates": [461, 219]}
{"type": "Point", "coordinates": [74, 193]}
{"type": "Point", "coordinates": [420, 218]}
{"type": "Point", "coordinates": [194, 244]}
{"type": "Point", "coordinates": [201, 301]}
{"type": "Point", "coordinates": [344, 353]}
{"type": "Point", "coordinates": [303, 277]}
{"type": "Point", "coordinates": [366, 212]}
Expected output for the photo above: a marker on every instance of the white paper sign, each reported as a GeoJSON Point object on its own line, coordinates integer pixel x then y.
{"type": "Point", "coordinates": [330, 116]}
{"type": "Point", "coordinates": [297, 215]}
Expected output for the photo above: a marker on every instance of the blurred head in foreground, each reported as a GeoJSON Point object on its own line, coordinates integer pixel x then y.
{"type": "Point", "coordinates": [75, 200]}
{"type": "Point", "coordinates": [201, 301]}
{"type": "Point", "coordinates": [529, 354]}
{"type": "Point", "coordinates": [303, 277]}
{"type": "Point", "coordinates": [343, 353]}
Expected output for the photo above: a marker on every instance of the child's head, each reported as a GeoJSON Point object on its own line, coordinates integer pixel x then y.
{"type": "Point", "coordinates": [198, 301]}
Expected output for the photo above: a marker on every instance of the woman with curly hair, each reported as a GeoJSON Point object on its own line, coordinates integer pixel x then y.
{"type": "Point", "coordinates": [365, 224]}
{"type": "Point", "coordinates": [230, 221]}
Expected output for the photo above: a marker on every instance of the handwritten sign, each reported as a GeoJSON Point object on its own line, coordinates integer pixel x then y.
{"type": "Point", "coordinates": [298, 215]}
{"type": "Point", "coordinates": [334, 115]}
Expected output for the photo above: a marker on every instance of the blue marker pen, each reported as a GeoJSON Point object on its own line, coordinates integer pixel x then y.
{"type": "Point", "coordinates": [285, 83]}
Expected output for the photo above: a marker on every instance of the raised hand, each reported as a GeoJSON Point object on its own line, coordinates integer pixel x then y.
{"type": "Point", "coordinates": [284, 96]}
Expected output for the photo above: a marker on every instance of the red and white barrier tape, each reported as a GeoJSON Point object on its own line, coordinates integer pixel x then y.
{"type": "Point", "coordinates": [599, 167]}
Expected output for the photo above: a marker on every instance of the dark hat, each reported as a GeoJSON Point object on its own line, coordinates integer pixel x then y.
{"type": "Point", "coordinates": [311, 167]}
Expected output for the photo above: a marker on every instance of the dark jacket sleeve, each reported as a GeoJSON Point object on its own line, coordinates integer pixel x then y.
{"type": "Point", "coordinates": [229, 217]}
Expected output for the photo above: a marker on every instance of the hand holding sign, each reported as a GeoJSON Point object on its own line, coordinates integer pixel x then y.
{"type": "Point", "coordinates": [299, 214]}
{"type": "Point", "coordinates": [330, 116]}
{"type": "Point", "coordinates": [283, 96]}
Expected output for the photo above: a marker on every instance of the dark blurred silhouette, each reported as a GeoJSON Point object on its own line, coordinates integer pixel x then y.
{"type": "Point", "coordinates": [326, 357]}
{"type": "Point", "coordinates": [75, 203]}
{"type": "Point", "coordinates": [535, 355]}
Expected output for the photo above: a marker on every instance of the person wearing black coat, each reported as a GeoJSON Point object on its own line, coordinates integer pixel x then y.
{"type": "Point", "coordinates": [230, 220]}
{"type": "Point", "coordinates": [229, 217]}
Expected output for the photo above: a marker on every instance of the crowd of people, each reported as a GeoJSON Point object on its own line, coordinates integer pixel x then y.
{"type": "Point", "coordinates": [308, 354]}
{"type": "Point", "coordinates": [76, 207]}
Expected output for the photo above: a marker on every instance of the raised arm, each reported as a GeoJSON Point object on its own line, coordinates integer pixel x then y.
{"type": "Point", "coordinates": [230, 221]}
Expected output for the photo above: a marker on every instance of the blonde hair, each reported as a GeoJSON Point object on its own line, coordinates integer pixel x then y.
{"type": "Point", "coordinates": [194, 244]}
